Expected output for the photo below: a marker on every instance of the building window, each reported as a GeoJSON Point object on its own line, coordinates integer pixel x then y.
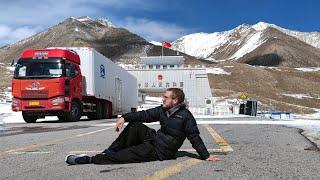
{"type": "Point", "coordinates": [157, 66]}
{"type": "Point", "coordinates": [164, 66]}
{"type": "Point", "coordinates": [171, 66]}
{"type": "Point", "coordinates": [181, 84]}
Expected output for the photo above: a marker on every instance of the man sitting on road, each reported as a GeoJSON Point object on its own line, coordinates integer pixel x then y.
{"type": "Point", "coordinates": [139, 143]}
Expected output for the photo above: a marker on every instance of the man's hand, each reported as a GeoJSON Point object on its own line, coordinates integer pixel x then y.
{"type": "Point", "coordinates": [213, 158]}
{"type": "Point", "coordinates": [119, 124]}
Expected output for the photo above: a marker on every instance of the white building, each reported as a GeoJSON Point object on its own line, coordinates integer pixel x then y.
{"type": "Point", "coordinates": [157, 73]}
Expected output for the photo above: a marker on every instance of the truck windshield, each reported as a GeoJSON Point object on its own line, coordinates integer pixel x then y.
{"type": "Point", "coordinates": [39, 68]}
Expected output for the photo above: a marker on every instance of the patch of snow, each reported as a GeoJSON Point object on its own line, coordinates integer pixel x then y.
{"type": "Point", "coordinates": [315, 116]}
{"type": "Point", "coordinates": [260, 26]}
{"type": "Point", "coordinates": [210, 59]}
{"type": "Point", "coordinates": [300, 96]}
{"type": "Point", "coordinates": [156, 43]}
{"type": "Point", "coordinates": [216, 71]}
{"type": "Point", "coordinates": [273, 68]}
{"type": "Point", "coordinates": [85, 18]}
{"type": "Point", "coordinates": [201, 45]}
{"type": "Point", "coordinates": [253, 42]}
{"type": "Point", "coordinates": [312, 38]}
{"type": "Point", "coordinates": [308, 69]}
{"type": "Point", "coordinates": [10, 68]}
{"type": "Point", "coordinates": [9, 116]}
{"type": "Point", "coordinates": [106, 22]}
{"type": "Point", "coordinates": [7, 96]}
{"type": "Point", "coordinates": [76, 29]}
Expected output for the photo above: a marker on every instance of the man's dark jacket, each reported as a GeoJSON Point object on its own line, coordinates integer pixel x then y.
{"type": "Point", "coordinates": [174, 130]}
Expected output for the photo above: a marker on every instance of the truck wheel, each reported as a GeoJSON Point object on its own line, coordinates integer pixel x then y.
{"type": "Point", "coordinates": [28, 118]}
{"type": "Point", "coordinates": [99, 110]}
{"type": "Point", "coordinates": [62, 118]}
{"type": "Point", "coordinates": [107, 110]}
{"type": "Point", "coordinates": [75, 113]}
{"type": "Point", "coordinates": [91, 116]}
{"type": "Point", "coordinates": [98, 114]}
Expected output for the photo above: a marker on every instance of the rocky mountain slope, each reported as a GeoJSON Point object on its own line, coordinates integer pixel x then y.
{"type": "Point", "coordinates": [259, 44]}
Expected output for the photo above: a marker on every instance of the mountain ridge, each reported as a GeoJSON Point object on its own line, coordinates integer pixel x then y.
{"type": "Point", "coordinates": [234, 44]}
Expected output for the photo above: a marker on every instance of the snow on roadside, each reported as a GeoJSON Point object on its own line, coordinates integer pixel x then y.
{"type": "Point", "coordinates": [9, 116]}
{"type": "Point", "coordinates": [314, 116]}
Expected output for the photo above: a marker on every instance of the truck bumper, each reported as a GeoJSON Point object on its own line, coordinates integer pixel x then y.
{"type": "Point", "coordinates": [53, 104]}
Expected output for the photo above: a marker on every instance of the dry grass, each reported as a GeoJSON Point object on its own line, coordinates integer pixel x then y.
{"type": "Point", "coordinates": [268, 86]}
{"type": "Point", "coordinates": [5, 78]}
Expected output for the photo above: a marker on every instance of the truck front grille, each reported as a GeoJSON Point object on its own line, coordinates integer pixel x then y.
{"type": "Point", "coordinates": [35, 94]}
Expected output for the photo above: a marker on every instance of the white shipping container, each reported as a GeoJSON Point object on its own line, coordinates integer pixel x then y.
{"type": "Point", "coordinates": [104, 79]}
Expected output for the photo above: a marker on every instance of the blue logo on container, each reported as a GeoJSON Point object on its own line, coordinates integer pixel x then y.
{"type": "Point", "coordinates": [102, 71]}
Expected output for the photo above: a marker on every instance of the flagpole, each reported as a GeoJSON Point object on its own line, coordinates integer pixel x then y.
{"type": "Point", "coordinates": [162, 50]}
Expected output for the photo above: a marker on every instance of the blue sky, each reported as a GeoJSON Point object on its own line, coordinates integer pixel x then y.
{"type": "Point", "coordinates": [157, 20]}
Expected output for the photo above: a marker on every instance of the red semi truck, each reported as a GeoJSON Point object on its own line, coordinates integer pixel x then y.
{"type": "Point", "coordinates": [70, 83]}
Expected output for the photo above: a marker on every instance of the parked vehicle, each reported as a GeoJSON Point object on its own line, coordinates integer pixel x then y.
{"type": "Point", "coordinates": [70, 83]}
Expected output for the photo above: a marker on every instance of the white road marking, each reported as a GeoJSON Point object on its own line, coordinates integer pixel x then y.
{"type": "Point", "coordinates": [54, 141]}
{"type": "Point", "coordinates": [32, 152]}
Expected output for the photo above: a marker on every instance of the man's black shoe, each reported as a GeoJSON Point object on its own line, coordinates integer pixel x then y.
{"type": "Point", "coordinates": [74, 159]}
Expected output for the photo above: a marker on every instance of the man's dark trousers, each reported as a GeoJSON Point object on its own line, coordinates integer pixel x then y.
{"type": "Point", "coordinates": [134, 144]}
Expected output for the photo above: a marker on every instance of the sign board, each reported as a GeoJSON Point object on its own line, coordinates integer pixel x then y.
{"type": "Point", "coordinates": [244, 95]}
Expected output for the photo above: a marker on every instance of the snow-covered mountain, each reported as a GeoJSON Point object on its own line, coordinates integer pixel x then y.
{"type": "Point", "coordinates": [235, 43]}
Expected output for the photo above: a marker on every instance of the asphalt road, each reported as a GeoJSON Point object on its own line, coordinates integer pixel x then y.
{"type": "Point", "coordinates": [37, 151]}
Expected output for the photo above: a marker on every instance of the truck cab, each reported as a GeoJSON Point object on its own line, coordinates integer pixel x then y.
{"type": "Point", "coordinates": [47, 82]}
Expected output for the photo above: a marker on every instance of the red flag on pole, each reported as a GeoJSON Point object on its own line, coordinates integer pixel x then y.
{"type": "Point", "coordinates": [166, 44]}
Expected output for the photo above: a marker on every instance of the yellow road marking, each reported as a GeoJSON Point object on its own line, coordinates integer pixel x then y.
{"type": "Point", "coordinates": [29, 147]}
{"type": "Point", "coordinates": [225, 147]}
{"type": "Point", "coordinates": [166, 172]}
